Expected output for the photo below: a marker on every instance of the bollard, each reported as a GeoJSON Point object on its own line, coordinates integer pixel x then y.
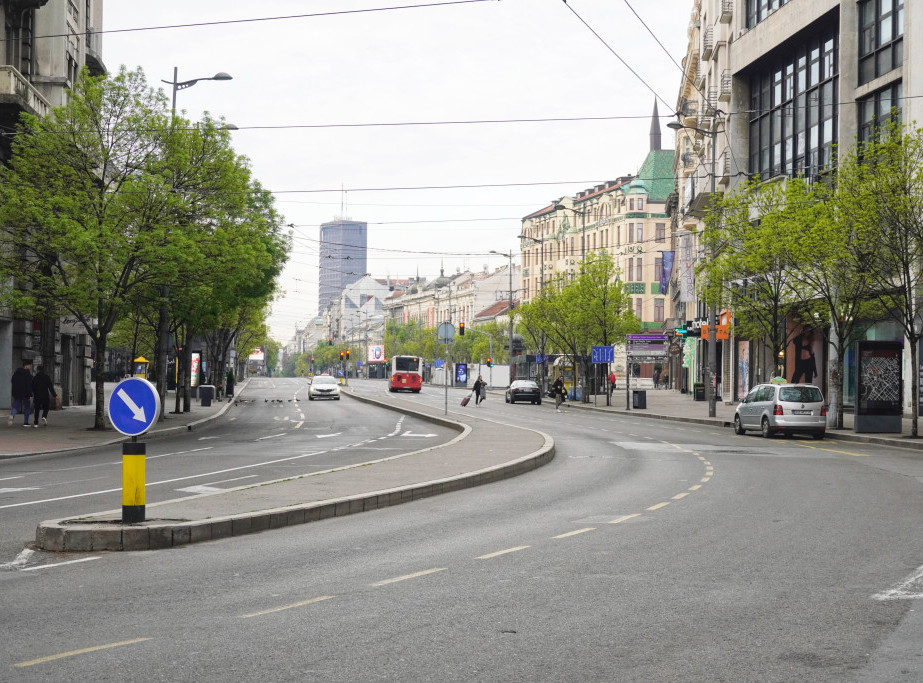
{"type": "Point", "coordinates": [133, 457]}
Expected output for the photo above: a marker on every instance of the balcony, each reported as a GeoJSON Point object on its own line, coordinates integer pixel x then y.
{"type": "Point", "coordinates": [724, 168]}
{"type": "Point", "coordinates": [689, 160]}
{"type": "Point", "coordinates": [727, 11]}
{"type": "Point", "coordinates": [94, 52]}
{"type": "Point", "coordinates": [18, 95]}
{"type": "Point", "coordinates": [708, 42]}
{"type": "Point", "coordinates": [724, 90]}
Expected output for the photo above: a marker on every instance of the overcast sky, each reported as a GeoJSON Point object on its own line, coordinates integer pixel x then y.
{"type": "Point", "coordinates": [298, 80]}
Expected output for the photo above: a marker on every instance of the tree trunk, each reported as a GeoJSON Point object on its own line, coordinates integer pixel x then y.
{"type": "Point", "coordinates": [99, 419]}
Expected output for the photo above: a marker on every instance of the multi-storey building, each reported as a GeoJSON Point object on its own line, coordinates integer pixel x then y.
{"type": "Point", "coordinates": [46, 43]}
{"type": "Point", "coordinates": [343, 245]}
{"type": "Point", "coordinates": [770, 89]}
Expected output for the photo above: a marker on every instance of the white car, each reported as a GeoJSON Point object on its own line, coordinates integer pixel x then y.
{"type": "Point", "coordinates": [324, 386]}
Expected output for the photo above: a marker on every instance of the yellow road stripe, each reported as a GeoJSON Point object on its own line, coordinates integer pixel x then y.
{"type": "Point", "coordinates": [705, 479]}
{"type": "Point", "coordinates": [625, 517]}
{"type": "Point", "coordinates": [299, 424]}
{"type": "Point", "coordinates": [680, 496]}
{"type": "Point", "coordinates": [833, 450]}
{"type": "Point", "coordinates": [574, 533]}
{"type": "Point", "coordinates": [705, 462]}
{"type": "Point", "coordinates": [658, 506]}
{"type": "Point", "coordinates": [502, 552]}
{"type": "Point", "coordinates": [285, 607]}
{"type": "Point", "coordinates": [695, 488]}
{"type": "Point", "coordinates": [74, 653]}
{"type": "Point", "coordinates": [409, 576]}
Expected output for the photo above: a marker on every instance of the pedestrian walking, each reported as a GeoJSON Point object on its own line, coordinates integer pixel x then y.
{"type": "Point", "coordinates": [480, 390]}
{"type": "Point", "coordinates": [22, 392]}
{"type": "Point", "coordinates": [559, 391]}
{"type": "Point", "coordinates": [656, 378]}
{"type": "Point", "coordinates": [42, 391]}
{"type": "Point", "coordinates": [611, 383]}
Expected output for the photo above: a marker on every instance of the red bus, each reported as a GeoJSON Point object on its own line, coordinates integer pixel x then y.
{"type": "Point", "coordinates": [406, 374]}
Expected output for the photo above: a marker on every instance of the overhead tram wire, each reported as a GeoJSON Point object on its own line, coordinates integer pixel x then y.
{"type": "Point", "coordinates": [253, 20]}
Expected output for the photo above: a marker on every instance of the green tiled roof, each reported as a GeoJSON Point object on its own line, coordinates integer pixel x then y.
{"type": "Point", "coordinates": [657, 174]}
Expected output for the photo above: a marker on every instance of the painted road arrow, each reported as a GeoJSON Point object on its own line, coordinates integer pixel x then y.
{"type": "Point", "coordinates": [132, 406]}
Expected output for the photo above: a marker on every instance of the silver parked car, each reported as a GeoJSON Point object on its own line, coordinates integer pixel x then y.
{"type": "Point", "coordinates": [783, 409]}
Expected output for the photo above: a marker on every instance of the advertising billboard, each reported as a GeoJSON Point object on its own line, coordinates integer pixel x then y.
{"type": "Point", "coordinates": [376, 354]}
{"type": "Point", "coordinates": [194, 368]}
{"type": "Point", "coordinates": [257, 356]}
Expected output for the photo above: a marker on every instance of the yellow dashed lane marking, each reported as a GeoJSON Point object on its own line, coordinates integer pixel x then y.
{"type": "Point", "coordinates": [680, 496]}
{"type": "Point", "coordinates": [299, 424]}
{"type": "Point", "coordinates": [695, 488]}
{"type": "Point", "coordinates": [285, 607]}
{"type": "Point", "coordinates": [74, 653]}
{"type": "Point", "coordinates": [574, 533]}
{"type": "Point", "coordinates": [833, 450]}
{"type": "Point", "coordinates": [502, 552]}
{"type": "Point", "coordinates": [705, 480]}
{"type": "Point", "coordinates": [409, 576]}
{"type": "Point", "coordinates": [625, 517]}
{"type": "Point", "coordinates": [658, 506]}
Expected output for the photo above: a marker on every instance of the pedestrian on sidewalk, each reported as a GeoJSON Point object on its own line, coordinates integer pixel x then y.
{"type": "Point", "coordinates": [559, 391]}
{"type": "Point", "coordinates": [611, 383]}
{"type": "Point", "coordinates": [480, 390]}
{"type": "Point", "coordinates": [22, 392]}
{"type": "Point", "coordinates": [42, 391]}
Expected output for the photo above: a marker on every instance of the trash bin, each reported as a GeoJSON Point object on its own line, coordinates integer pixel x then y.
{"type": "Point", "coordinates": [206, 394]}
{"type": "Point", "coordinates": [639, 399]}
{"type": "Point", "coordinates": [698, 391]}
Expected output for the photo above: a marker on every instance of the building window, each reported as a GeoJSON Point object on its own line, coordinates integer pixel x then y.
{"type": "Point", "coordinates": [793, 103]}
{"type": "Point", "coordinates": [660, 232]}
{"type": "Point", "coordinates": [631, 270]}
{"type": "Point", "coordinates": [639, 232]}
{"type": "Point", "coordinates": [658, 268]}
{"type": "Point", "coordinates": [640, 204]}
{"type": "Point", "coordinates": [878, 109]}
{"type": "Point", "coordinates": [639, 307]}
{"type": "Point", "coordinates": [631, 204]}
{"type": "Point", "coordinates": [638, 269]}
{"type": "Point", "coordinates": [881, 37]}
{"type": "Point", "coordinates": [658, 310]}
{"type": "Point", "coordinates": [757, 10]}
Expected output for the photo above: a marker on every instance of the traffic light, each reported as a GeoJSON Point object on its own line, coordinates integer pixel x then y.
{"type": "Point", "coordinates": [490, 363]}
{"type": "Point", "coordinates": [312, 359]}
{"type": "Point", "coordinates": [330, 342]}
{"type": "Point", "coordinates": [461, 329]}
{"type": "Point", "coordinates": [342, 355]}
{"type": "Point", "coordinates": [347, 354]}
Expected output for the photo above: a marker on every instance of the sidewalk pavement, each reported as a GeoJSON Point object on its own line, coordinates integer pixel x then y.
{"type": "Point", "coordinates": [71, 428]}
{"type": "Point", "coordinates": [483, 452]}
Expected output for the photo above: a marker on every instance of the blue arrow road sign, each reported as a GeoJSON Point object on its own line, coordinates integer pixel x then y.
{"type": "Point", "coordinates": [134, 406]}
{"type": "Point", "coordinates": [602, 354]}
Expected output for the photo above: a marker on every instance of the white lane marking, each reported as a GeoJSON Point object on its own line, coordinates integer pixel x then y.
{"type": "Point", "coordinates": [574, 533]}
{"type": "Point", "coordinates": [271, 436]}
{"type": "Point", "coordinates": [59, 564]}
{"type": "Point", "coordinates": [74, 653]}
{"type": "Point", "coordinates": [502, 552]}
{"type": "Point", "coordinates": [325, 436]}
{"type": "Point", "coordinates": [25, 488]}
{"type": "Point", "coordinates": [409, 433]}
{"type": "Point", "coordinates": [18, 476]}
{"type": "Point", "coordinates": [206, 438]}
{"type": "Point", "coordinates": [285, 607]}
{"type": "Point", "coordinates": [408, 576]}
{"type": "Point", "coordinates": [910, 588]}
{"type": "Point", "coordinates": [165, 481]}
{"type": "Point", "coordinates": [21, 559]}
{"type": "Point", "coordinates": [202, 488]}
{"type": "Point", "coordinates": [164, 455]}
{"type": "Point", "coordinates": [225, 481]}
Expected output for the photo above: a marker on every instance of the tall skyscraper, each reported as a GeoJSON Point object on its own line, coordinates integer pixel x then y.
{"type": "Point", "coordinates": [343, 244]}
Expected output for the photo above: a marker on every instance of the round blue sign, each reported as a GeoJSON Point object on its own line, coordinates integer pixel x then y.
{"type": "Point", "coordinates": [134, 406]}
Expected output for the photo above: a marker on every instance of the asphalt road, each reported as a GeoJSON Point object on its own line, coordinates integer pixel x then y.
{"type": "Point", "coordinates": [274, 433]}
{"type": "Point", "coordinates": [647, 550]}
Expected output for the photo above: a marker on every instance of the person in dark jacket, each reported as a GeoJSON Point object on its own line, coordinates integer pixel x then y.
{"type": "Point", "coordinates": [560, 391]}
{"type": "Point", "coordinates": [22, 392]}
{"type": "Point", "coordinates": [42, 391]}
{"type": "Point", "coordinates": [480, 390]}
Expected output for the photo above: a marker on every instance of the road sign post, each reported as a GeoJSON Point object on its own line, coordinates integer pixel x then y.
{"type": "Point", "coordinates": [133, 408]}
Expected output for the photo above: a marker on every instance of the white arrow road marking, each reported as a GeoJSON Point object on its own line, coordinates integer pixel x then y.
{"type": "Point", "coordinates": [324, 436]}
{"type": "Point", "coordinates": [910, 588]}
{"type": "Point", "coordinates": [21, 559]}
{"type": "Point", "coordinates": [200, 489]}
{"type": "Point", "coordinates": [409, 433]}
{"type": "Point", "coordinates": [132, 406]}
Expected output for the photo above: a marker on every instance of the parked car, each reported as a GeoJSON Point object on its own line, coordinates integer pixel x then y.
{"type": "Point", "coordinates": [524, 390]}
{"type": "Point", "coordinates": [783, 409]}
{"type": "Point", "coordinates": [324, 386]}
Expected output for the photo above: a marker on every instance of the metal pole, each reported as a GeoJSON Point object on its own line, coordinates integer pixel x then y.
{"type": "Point", "coordinates": [511, 317]}
{"type": "Point", "coordinates": [712, 308]}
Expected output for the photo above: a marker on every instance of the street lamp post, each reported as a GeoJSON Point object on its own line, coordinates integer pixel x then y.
{"type": "Point", "coordinates": [712, 384]}
{"type": "Point", "coordinates": [163, 321]}
{"type": "Point", "coordinates": [510, 310]}
{"type": "Point", "coordinates": [541, 290]}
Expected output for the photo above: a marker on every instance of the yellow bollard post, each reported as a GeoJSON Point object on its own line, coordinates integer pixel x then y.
{"type": "Point", "coordinates": [133, 464]}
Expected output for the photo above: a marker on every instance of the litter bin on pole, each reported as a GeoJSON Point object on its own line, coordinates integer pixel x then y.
{"type": "Point", "coordinates": [206, 394]}
{"type": "Point", "coordinates": [639, 399]}
{"type": "Point", "coordinates": [698, 391]}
